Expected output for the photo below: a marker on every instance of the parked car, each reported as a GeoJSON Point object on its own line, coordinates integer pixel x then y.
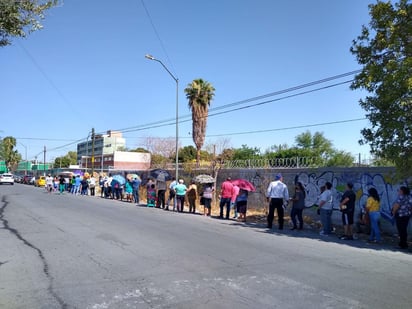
{"type": "Point", "coordinates": [40, 182]}
{"type": "Point", "coordinates": [6, 178]}
{"type": "Point", "coordinates": [27, 179]}
{"type": "Point", "coordinates": [18, 178]}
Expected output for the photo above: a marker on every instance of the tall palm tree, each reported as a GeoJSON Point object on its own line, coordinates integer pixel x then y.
{"type": "Point", "coordinates": [199, 93]}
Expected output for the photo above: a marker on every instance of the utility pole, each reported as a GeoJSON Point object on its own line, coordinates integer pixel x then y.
{"type": "Point", "coordinates": [44, 161]}
{"type": "Point", "coordinates": [93, 151]}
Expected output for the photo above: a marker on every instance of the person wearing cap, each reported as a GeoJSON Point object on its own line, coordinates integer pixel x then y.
{"type": "Point", "coordinates": [277, 195]}
{"type": "Point", "coordinates": [347, 207]}
{"type": "Point", "coordinates": [180, 190]}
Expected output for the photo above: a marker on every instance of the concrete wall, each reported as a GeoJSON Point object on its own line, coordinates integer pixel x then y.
{"type": "Point", "coordinates": [383, 179]}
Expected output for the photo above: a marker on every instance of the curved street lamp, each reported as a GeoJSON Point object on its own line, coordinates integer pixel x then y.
{"type": "Point", "coordinates": [150, 57]}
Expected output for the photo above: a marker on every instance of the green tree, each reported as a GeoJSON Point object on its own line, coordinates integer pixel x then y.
{"type": "Point", "coordinates": [199, 93]}
{"type": "Point", "coordinates": [7, 152]}
{"type": "Point", "coordinates": [340, 159]}
{"type": "Point", "coordinates": [245, 153]}
{"type": "Point", "coordinates": [65, 161]}
{"type": "Point", "coordinates": [140, 149]}
{"type": "Point", "coordinates": [317, 144]}
{"type": "Point", "coordinates": [187, 154]}
{"type": "Point", "coordinates": [19, 18]}
{"type": "Point", "coordinates": [315, 147]}
{"type": "Point", "coordinates": [384, 49]}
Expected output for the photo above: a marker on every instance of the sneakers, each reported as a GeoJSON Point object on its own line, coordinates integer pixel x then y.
{"type": "Point", "coordinates": [322, 233]}
{"type": "Point", "coordinates": [344, 237]}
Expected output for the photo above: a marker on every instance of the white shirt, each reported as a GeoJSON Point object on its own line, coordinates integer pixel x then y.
{"type": "Point", "coordinates": [49, 180]}
{"type": "Point", "coordinates": [327, 197]}
{"type": "Point", "coordinates": [277, 189]}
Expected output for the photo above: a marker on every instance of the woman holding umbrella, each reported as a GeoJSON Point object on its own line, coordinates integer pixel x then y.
{"type": "Point", "coordinates": [241, 204]}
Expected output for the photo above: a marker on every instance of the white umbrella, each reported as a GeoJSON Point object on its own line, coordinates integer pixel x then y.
{"type": "Point", "coordinates": [204, 179]}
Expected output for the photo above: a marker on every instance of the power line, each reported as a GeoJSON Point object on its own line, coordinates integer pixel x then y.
{"type": "Point", "coordinates": [186, 118]}
{"type": "Point", "coordinates": [157, 33]}
{"type": "Point", "coordinates": [159, 124]}
{"type": "Point", "coordinates": [289, 128]}
{"type": "Point", "coordinates": [171, 121]}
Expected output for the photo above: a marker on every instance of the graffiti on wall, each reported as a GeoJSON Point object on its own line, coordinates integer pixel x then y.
{"type": "Point", "coordinates": [361, 183]}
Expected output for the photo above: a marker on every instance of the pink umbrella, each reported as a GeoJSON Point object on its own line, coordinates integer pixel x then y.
{"type": "Point", "coordinates": [244, 184]}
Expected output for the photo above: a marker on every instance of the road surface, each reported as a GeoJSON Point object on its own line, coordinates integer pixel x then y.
{"type": "Point", "coordinates": [65, 251]}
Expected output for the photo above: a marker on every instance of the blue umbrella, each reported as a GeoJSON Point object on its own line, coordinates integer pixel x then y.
{"type": "Point", "coordinates": [160, 174]}
{"type": "Point", "coordinates": [120, 179]}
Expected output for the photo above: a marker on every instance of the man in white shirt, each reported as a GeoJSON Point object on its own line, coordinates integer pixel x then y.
{"type": "Point", "coordinates": [325, 206]}
{"type": "Point", "coordinates": [49, 183]}
{"type": "Point", "coordinates": [277, 195]}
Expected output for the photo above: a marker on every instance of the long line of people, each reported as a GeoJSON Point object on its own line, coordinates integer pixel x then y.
{"type": "Point", "coordinates": [231, 197]}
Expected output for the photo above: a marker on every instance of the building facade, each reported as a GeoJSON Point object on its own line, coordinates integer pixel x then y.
{"type": "Point", "coordinates": [104, 154]}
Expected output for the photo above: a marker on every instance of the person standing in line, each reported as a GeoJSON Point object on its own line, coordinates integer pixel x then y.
{"type": "Point", "coordinates": [161, 192]}
{"type": "Point", "coordinates": [347, 207]}
{"type": "Point", "coordinates": [49, 183]}
{"type": "Point", "coordinates": [241, 204]}
{"type": "Point", "coordinates": [325, 206]}
{"type": "Point", "coordinates": [77, 182]}
{"type": "Point", "coordinates": [151, 194]}
{"type": "Point", "coordinates": [298, 204]}
{"type": "Point", "coordinates": [277, 195]}
{"type": "Point", "coordinates": [136, 186]}
{"type": "Point", "coordinates": [84, 185]}
{"type": "Point", "coordinates": [128, 187]}
{"type": "Point", "coordinates": [62, 184]}
{"type": "Point", "coordinates": [207, 198]}
{"type": "Point", "coordinates": [233, 201]}
{"type": "Point", "coordinates": [373, 210]}
{"type": "Point", "coordinates": [180, 190]}
{"type": "Point", "coordinates": [226, 192]}
{"type": "Point", "coordinates": [92, 185]}
{"type": "Point", "coordinates": [172, 194]}
{"type": "Point", "coordinates": [192, 196]}
{"type": "Point", "coordinates": [402, 210]}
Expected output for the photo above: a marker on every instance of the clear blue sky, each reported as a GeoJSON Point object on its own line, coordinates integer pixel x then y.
{"type": "Point", "coordinates": [87, 68]}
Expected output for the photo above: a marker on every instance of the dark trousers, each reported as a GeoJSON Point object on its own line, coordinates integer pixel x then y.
{"type": "Point", "coordinates": [161, 198]}
{"type": "Point", "coordinates": [136, 195]}
{"type": "Point", "coordinates": [192, 204]}
{"type": "Point", "coordinates": [92, 191]}
{"type": "Point", "coordinates": [402, 226]}
{"type": "Point", "coordinates": [297, 213]}
{"type": "Point", "coordinates": [225, 201]}
{"type": "Point", "coordinates": [276, 203]}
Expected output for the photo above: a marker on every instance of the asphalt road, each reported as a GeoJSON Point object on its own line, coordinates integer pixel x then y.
{"type": "Point", "coordinates": [65, 251]}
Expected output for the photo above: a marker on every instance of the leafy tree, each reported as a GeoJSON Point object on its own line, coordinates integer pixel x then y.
{"type": "Point", "coordinates": [227, 154]}
{"type": "Point", "coordinates": [140, 149]}
{"type": "Point", "coordinates": [318, 145]}
{"type": "Point", "coordinates": [199, 93]}
{"type": "Point", "coordinates": [18, 18]}
{"type": "Point", "coordinates": [7, 152]}
{"type": "Point", "coordinates": [187, 154]}
{"type": "Point", "coordinates": [340, 159]}
{"type": "Point", "coordinates": [245, 153]}
{"type": "Point", "coordinates": [69, 159]}
{"type": "Point", "coordinates": [384, 49]}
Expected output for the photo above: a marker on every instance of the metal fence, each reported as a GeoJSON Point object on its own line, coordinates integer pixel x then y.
{"type": "Point", "coordinates": [296, 162]}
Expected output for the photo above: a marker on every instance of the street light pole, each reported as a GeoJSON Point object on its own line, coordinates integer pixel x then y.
{"type": "Point", "coordinates": [150, 57]}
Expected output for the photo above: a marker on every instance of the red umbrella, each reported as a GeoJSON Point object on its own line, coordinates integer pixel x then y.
{"type": "Point", "coordinates": [244, 184]}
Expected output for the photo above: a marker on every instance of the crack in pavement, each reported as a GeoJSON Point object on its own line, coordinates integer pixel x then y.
{"type": "Point", "coordinates": [16, 233]}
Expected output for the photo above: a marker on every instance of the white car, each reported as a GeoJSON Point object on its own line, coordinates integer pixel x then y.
{"type": "Point", "coordinates": [6, 178]}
